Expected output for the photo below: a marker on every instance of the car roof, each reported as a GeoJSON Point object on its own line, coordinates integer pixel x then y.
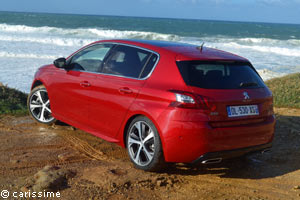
{"type": "Point", "coordinates": [183, 51]}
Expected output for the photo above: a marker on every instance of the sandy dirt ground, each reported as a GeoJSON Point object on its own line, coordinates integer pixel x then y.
{"type": "Point", "coordinates": [95, 169]}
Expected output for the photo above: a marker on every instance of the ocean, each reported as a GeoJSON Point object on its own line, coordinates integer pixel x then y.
{"type": "Point", "coordinates": [30, 40]}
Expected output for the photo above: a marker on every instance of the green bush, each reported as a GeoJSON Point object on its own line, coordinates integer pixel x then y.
{"type": "Point", "coordinates": [12, 101]}
{"type": "Point", "coordinates": [286, 90]}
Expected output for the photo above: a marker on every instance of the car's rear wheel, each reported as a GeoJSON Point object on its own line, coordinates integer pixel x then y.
{"type": "Point", "coordinates": [38, 104]}
{"type": "Point", "coordinates": [144, 144]}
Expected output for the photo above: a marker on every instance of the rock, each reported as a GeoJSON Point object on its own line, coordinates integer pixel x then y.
{"type": "Point", "coordinates": [118, 171]}
{"type": "Point", "coordinates": [49, 168]}
{"type": "Point", "coordinates": [127, 185]}
{"type": "Point", "coordinates": [50, 178]}
{"type": "Point", "coordinates": [72, 128]}
{"type": "Point", "coordinates": [158, 183]}
{"type": "Point", "coordinates": [1, 84]}
{"type": "Point", "coordinates": [24, 189]}
{"type": "Point", "coordinates": [15, 161]}
{"type": "Point", "coordinates": [63, 156]}
{"type": "Point", "coordinates": [297, 187]}
{"type": "Point", "coordinates": [54, 126]}
{"type": "Point", "coordinates": [169, 182]}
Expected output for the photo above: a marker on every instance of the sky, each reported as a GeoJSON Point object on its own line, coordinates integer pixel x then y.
{"type": "Point", "coordinates": [275, 11]}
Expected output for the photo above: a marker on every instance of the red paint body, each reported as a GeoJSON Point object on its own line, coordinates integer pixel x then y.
{"type": "Point", "coordinates": [100, 104]}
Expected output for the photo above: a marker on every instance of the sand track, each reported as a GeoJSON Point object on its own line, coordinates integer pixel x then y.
{"type": "Point", "coordinates": [85, 148]}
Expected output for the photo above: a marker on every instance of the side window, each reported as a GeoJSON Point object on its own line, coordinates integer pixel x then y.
{"type": "Point", "coordinates": [126, 61]}
{"type": "Point", "coordinates": [91, 58]}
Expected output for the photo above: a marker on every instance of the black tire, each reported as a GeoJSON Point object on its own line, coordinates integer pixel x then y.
{"type": "Point", "coordinates": [38, 105]}
{"type": "Point", "coordinates": [150, 156]}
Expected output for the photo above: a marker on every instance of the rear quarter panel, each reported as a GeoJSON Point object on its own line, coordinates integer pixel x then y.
{"type": "Point", "coordinates": [155, 97]}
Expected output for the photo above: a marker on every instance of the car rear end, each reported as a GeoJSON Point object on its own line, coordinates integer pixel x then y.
{"type": "Point", "coordinates": [226, 111]}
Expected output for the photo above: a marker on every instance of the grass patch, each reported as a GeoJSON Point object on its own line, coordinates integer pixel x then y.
{"type": "Point", "coordinates": [12, 101]}
{"type": "Point", "coordinates": [286, 90]}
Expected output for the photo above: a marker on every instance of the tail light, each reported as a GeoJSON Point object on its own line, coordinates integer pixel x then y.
{"type": "Point", "coordinates": [190, 100]}
{"type": "Point", "coordinates": [184, 101]}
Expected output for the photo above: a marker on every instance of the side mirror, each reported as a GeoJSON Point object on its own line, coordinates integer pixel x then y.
{"type": "Point", "coordinates": [60, 63]}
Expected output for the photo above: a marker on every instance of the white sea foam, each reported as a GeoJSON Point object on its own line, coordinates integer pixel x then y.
{"type": "Point", "coordinates": [24, 29]}
{"type": "Point", "coordinates": [86, 32]}
{"type": "Point", "coordinates": [272, 46]}
{"type": "Point", "coordinates": [28, 56]}
{"type": "Point", "coordinates": [47, 40]}
{"type": "Point", "coordinates": [133, 34]}
{"type": "Point", "coordinates": [273, 42]}
{"type": "Point", "coordinates": [268, 49]}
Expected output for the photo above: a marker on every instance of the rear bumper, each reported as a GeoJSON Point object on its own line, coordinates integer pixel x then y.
{"type": "Point", "coordinates": [189, 142]}
{"type": "Point", "coordinates": [221, 155]}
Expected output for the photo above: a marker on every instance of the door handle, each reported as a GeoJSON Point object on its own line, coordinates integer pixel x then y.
{"type": "Point", "coordinates": [85, 84]}
{"type": "Point", "coordinates": [125, 90]}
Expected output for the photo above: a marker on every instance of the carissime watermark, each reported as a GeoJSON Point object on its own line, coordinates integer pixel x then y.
{"type": "Point", "coordinates": [29, 194]}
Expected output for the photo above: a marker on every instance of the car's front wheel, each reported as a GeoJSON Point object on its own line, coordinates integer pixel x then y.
{"type": "Point", "coordinates": [38, 104]}
{"type": "Point", "coordinates": [144, 144]}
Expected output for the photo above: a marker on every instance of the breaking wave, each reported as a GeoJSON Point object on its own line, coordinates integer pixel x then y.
{"type": "Point", "coordinates": [81, 33]}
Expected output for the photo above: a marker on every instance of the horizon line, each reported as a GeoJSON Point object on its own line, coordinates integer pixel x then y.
{"type": "Point", "coordinates": [133, 16]}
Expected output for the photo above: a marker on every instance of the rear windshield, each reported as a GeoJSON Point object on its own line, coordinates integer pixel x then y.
{"type": "Point", "coordinates": [219, 75]}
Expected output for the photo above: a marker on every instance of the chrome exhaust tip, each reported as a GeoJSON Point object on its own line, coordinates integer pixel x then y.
{"type": "Point", "coordinates": [212, 161]}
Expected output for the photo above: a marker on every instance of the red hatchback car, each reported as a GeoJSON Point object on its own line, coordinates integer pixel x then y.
{"type": "Point", "coordinates": [163, 101]}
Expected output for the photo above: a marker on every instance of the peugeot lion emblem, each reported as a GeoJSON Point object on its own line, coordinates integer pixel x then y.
{"type": "Point", "coordinates": [246, 96]}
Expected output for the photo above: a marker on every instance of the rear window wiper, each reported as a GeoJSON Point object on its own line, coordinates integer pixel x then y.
{"type": "Point", "coordinates": [249, 84]}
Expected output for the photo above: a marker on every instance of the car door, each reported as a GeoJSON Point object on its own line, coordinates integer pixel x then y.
{"type": "Point", "coordinates": [71, 90]}
{"type": "Point", "coordinates": [116, 87]}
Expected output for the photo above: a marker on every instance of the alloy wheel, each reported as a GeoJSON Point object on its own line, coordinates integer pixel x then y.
{"type": "Point", "coordinates": [39, 105]}
{"type": "Point", "coordinates": [141, 143]}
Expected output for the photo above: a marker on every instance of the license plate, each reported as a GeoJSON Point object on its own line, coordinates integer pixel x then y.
{"type": "Point", "coordinates": [238, 111]}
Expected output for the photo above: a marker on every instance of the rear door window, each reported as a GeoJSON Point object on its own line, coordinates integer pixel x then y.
{"type": "Point", "coordinates": [127, 61]}
{"type": "Point", "coordinates": [217, 75]}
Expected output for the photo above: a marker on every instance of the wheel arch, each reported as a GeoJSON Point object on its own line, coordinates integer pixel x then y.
{"type": "Point", "coordinates": [37, 83]}
{"type": "Point", "coordinates": [130, 119]}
